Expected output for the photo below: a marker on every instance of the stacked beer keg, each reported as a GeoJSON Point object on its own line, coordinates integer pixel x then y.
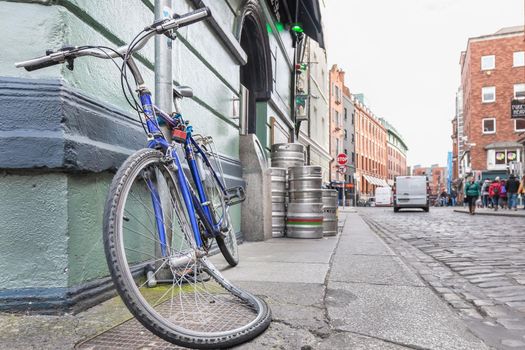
{"type": "Point", "coordinates": [279, 193]}
{"type": "Point", "coordinates": [304, 218]}
{"type": "Point", "coordinates": [284, 155]}
{"type": "Point", "coordinates": [330, 212]}
{"type": "Point", "coordinates": [300, 208]}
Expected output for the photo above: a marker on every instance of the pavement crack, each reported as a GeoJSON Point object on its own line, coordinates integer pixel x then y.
{"type": "Point", "coordinates": [327, 319]}
{"type": "Point", "coordinates": [406, 345]}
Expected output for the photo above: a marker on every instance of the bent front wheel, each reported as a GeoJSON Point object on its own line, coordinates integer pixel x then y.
{"type": "Point", "coordinates": [163, 277]}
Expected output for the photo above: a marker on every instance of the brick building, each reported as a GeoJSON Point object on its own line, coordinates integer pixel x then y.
{"type": "Point", "coordinates": [370, 148]}
{"type": "Point", "coordinates": [396, 150]}
{"type": "Point", "coordinates": [336, 108]}
{"type": "Point", "coordinates": [455, 150]}
{"type": "Point", "coordinates": [436, 175]}
{"type": "Point", "coordinates": [492, 75]}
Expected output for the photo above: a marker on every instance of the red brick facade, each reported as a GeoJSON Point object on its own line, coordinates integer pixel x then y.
{"type": "Point", "coordinates": [337, 80]}
{"type": "Point", "coordinates": [490, 150]}
{"type": "Point", "coordinates": [370, 148]}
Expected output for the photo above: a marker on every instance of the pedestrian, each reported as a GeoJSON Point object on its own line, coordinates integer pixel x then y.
{"type": "Point", "coordinates": [521, 190]}
{"type": "Point", "coordinates": [443, 198]}
{"type": "Point", "coordinates": [503, 195]}
{"type": "Point", "coordinates": [485, 193]}
{"type": "Point", "coordinates": [512, 187]}
{"type": "Point", "coordinates": [494, 192]}
{"type": "Point", "coordinates": [472, 190]}
{"type": "Point", "coordinates": [453, 197]}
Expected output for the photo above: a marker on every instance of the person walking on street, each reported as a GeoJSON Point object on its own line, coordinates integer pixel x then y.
{"type": "Point", "coordinates": [503, 203]}
{"type": "Point", "coordinates": [494, 192]}
{"type": "Point", "coordinates": [512, 192]}
{"type": "Point", "coordinates": [453, 197]}
{"type": "Point", "coordinates": [472, 191]}
{"type": "Point", "coordinates": [521, 190]}
{"type": "Point", "coordinates": [485, 193]}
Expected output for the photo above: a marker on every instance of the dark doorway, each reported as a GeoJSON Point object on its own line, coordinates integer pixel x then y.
{"type": "Point", "coordinates": [256, 75]}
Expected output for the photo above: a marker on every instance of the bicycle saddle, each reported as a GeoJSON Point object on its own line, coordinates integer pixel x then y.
{"type": "Point", "coordinates": [182, 91]}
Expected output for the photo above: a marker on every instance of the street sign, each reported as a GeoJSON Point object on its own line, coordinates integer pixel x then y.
{"type": "Point", "coordinates": [342, 158]}
{"type": "Point", "coordinates": [342, 170]}
{"type": "Point", "coordinates": [517, 109]}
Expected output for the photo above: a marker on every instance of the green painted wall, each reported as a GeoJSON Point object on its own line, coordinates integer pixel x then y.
{"type": "Point", "coordinates": [33, 230]}
{"type": "Point", "coordinates": [51, 222]}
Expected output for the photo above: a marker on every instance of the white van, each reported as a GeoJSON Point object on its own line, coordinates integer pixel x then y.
{"type": "Point", "coordinates": [383, 196]}
{"type": "Point", "coordinates": [411, 192]}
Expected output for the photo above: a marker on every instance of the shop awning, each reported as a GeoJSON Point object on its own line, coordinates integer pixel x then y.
{"type": "Point", "coordinates": [306, 13]}
{"type": "Point", "coordinates": [505, 144]}
{"type": "Point", "coordinates": [376, 181]}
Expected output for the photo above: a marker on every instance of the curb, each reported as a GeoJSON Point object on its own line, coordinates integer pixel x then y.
{"type": "Point", "coordinates": [517, 215]}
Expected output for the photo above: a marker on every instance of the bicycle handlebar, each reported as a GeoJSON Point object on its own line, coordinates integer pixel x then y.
{"type": "Point", "coordinates": [159, 27]}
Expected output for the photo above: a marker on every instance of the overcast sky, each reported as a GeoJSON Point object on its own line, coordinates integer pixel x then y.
{"type": "Point", "coordinates": [404, 56]}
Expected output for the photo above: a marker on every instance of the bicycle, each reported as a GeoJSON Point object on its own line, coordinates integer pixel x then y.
{"type": "Point", "coordinates": [159, 223]}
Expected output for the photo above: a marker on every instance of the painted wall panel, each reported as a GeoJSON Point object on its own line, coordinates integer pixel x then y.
{"type": "Point", "coordinates": [33, 230]}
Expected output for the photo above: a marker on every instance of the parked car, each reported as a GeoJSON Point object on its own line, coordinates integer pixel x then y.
{"type": "Point", "coordinates": [411, 192]}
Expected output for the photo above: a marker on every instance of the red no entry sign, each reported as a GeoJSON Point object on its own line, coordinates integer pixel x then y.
{"type": "Point", "coordinates": [342, 158]}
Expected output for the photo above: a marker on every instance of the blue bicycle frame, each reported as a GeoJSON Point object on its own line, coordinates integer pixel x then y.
{"type": "Point", "coordinates": [193, 204]}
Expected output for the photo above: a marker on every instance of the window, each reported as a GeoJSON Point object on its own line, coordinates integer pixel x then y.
{"type": "Point", "coordinates": [489, 125]}
{"type": "Point", "coordinates": [518, 59]}
{"type": "Point", "coordinates": [499, 158]}
{"type": "Point", "coordinates": [519, 124]}
{"type": "Point", "coordinates": [519, 91]}
{"type": "Point", "coordinates": [353, 139]}
{"type": "Point", "coordinates": [346, 112]}
{"type": "Point", "coordinates": [352, 118]}
{"type": "Point", "coordinates": [346, 134]}
{"type": "Point", "coordinates": [488, 94]}
{"type": "Point", "coordinates": [488, 62]}
{"type": "Point", "coordinates": [505, 156]}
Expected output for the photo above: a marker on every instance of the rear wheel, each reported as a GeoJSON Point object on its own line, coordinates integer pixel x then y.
{"type": "Point", "coordinates": [227, 241]}
{"type": "Point", "coordinates": [168, 284]}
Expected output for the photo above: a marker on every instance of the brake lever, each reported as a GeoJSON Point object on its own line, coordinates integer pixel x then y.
{"type": "Point", "coordinates": [171, 34]}
{"type": "Point", "coordinates": [70, 63]}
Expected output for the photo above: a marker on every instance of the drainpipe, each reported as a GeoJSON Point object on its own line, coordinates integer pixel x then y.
{"type": "Point", "coordinates": [163, 62]}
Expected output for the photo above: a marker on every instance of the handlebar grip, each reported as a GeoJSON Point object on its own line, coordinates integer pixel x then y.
{"type": "Point", "coordinates": [44, 64]}
{"type": "Point", "coordinates": [192, 17]}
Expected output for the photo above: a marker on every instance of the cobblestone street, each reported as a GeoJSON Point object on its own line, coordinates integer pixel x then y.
{"type": "Point", "coordinates": [475, 263]}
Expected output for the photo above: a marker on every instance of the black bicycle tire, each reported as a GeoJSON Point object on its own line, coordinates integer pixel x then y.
{"type": "Point", "coordinates": [225, 251]}
{"type": "Point", "coordinates": [133, 302]}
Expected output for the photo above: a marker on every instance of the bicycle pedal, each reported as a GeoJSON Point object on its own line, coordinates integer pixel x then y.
{"type": "Point", "coordinates": [234, 195]}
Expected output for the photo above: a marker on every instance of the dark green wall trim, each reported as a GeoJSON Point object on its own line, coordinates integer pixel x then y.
{"type": "Point", "coordinates": [149, 5]}
{"type": "Point", "coordinates": [56, 301]}
{"type": "Point", "coordinates": [224, 34]}
{"type": "Point", "coordinates": [59, 127]}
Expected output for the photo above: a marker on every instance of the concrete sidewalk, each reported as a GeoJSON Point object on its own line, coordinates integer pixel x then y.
{"type": "Point", "coordinates": [344, 292]}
